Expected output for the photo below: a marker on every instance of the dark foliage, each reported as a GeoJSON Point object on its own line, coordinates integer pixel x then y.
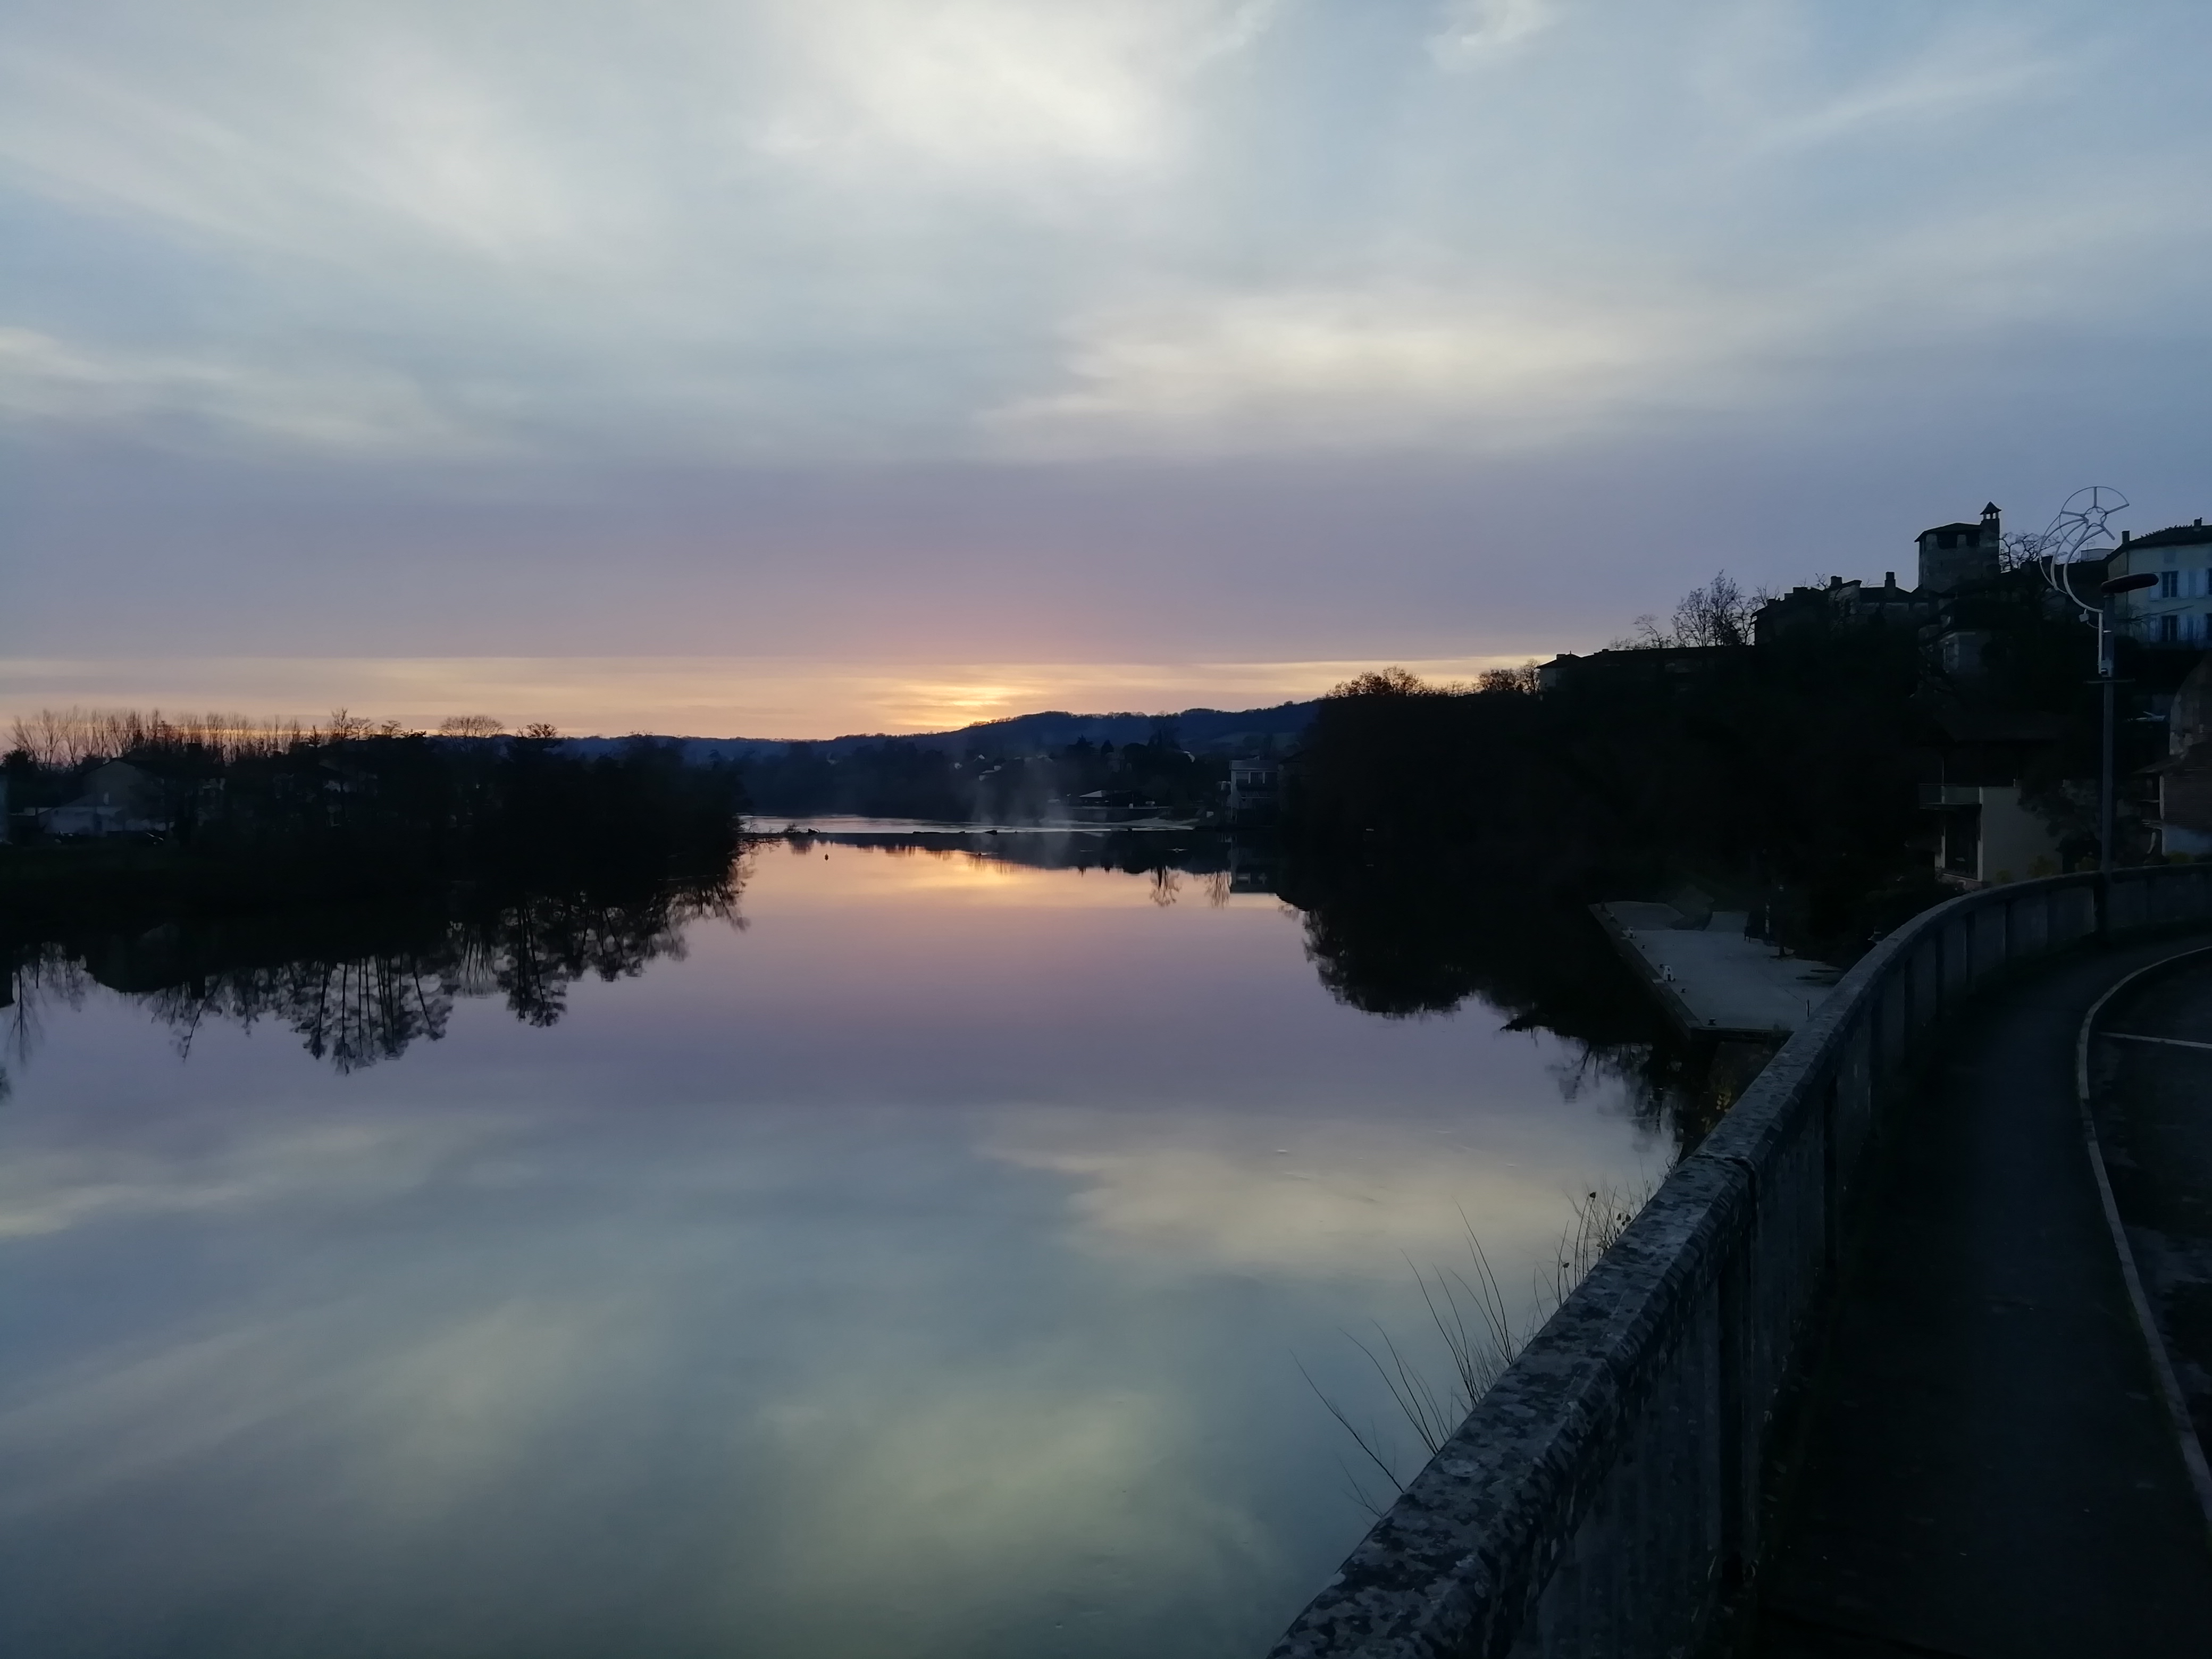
{"type": "Point", "coordinates": [1782, 777]}
{"type": "Point", "coordinates": [400, 814]}
{"type": "Point", "coordinates": [903, 779]}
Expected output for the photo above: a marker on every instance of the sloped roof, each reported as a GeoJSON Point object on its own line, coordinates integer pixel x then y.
{"type": "Point", "coordinates": [2179, 535]}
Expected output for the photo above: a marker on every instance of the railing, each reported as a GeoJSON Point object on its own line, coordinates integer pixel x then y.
{"type": "Point", "coordinates": [1604, 1495]}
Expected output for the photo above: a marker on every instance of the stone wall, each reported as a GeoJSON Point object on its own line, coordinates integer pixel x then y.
{"type": "Point", "coordinates": [1604, 1495]}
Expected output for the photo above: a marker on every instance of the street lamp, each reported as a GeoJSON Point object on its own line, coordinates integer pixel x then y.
{"type": "Point", "coordinates": [2083, 530]}
{"type": "Point", "coordinates": [2106, 637]}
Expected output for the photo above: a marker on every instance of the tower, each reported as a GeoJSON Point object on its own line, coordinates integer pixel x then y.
{"type": "Point", "coordinates": [1954, 555]}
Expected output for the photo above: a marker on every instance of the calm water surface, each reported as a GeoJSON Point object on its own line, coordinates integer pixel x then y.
{"type": "Point", "coordinates": [923, 1265]}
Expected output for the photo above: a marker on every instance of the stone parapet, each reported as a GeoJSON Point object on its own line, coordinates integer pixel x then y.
{"type": "Point", "coordinates": [1602, 1497]}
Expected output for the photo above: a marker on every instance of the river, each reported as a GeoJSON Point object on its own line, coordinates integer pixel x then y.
{"type": "Point", "coordinates": [935, 1255]}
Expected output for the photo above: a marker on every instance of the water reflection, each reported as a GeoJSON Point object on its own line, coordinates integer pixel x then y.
{"type": "Point", "coordinates": [359, 985]}
{"type": "Point", "coordinates": [1403, 937]}
{"type": "Point", "coordinates": [919, 1272]}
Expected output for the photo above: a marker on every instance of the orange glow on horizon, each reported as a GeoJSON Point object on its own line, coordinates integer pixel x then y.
{"type": "Point", "coordinates": [787, 698]}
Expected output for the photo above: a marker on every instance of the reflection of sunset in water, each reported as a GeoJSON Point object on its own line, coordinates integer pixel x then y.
{"type": "Point", "coordinates": [925, 1266]}
{"type": "Point", "coordinates": [908, 877]}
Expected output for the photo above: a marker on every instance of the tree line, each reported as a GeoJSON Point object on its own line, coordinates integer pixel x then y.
{"type": "Point", "coordinates": [1780, 773]}
{"type": "Point", "coordinates": [347, 806]}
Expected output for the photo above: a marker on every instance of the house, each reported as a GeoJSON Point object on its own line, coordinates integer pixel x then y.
{"type": "Point", "coordinates": [1988, 832]}
{"type": "Point", "coordinates": [118, 800]}
{"type": "Point", "coordinates": [1956, 555]}
{"type": "Point", "coordinates": [1618, 665]}
{"type": "Point", "coordinates": [1953, 558]}
{"type": "Point", "coordinates": [2179, 803]}
{"type": "Point", "coordinates": [1255, 790]}
{"type": "Point", "coordinates": [1114, 806]}
{"type": "Point", "coordinates": [2178, 611]}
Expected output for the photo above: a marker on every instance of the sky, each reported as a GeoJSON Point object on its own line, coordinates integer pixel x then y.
{"type": "Point", "coordinates": [785, 368]}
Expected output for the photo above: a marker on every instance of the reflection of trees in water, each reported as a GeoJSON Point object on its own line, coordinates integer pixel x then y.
{"type": "Point", "coordinates": [1402, 933]}
{"type": "Point", "coordinates": [37, 977]}
{"type": "Point", "coordinates": [1672, 1085]}
{"type": "Point", "coordinates": [358, 990]}
{"type": "Point", "coordinates": [532, 952]}
{"type": "Point", "coordinates": [352, 1014]}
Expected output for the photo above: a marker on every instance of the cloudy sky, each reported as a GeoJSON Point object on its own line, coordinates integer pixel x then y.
{"type": "Point", "coordinates": [785, 366]}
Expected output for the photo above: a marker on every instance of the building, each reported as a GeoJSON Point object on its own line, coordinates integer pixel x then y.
{"type": "Point", "coordinates": [1618, 667]}
{"type": "Point", "coordinates": [1114, 806]}
{"type": "Point", "coordinates": [1255, 790]}
{"type": "Point", "coordinates": [1804, 610]}
{"type": "Point", "coordinates": [1953, 559]}
{"type": "Point", "coordinates": [118, 800]}
{"type": "Point", "coordinates": [1956, 555]}
{"type": "Point", "coordinates": [2178, 802]}
{"type": "Point", "coordinates": [1987, 832]}
{"type": "Point", "coordinates": [2178, 611]}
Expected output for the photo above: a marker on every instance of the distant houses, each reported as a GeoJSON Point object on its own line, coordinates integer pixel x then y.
{"type": "Point", "coordinates": [1998, 808]}
{"type": "Point", "coordinates": [1254, 790]}
{"type": "Point", "coordinates": [1955, 561]}
{"type": "Point", "coordinates": [1987, 832]}
{"type": "Point", "coordinates": [1114, 806]}
{"type": "Point", "coordinates": [2178, 801]}
{"type": "Point", "coordinates": [119, 798]}
{"type": "Point", "coordinates": [2178, 611]}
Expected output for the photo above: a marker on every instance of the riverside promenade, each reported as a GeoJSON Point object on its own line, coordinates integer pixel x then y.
{"type": "Point", "coordinates": [1986, 1464]}
{"type": "Point", "coordinates": [1866, 1376]}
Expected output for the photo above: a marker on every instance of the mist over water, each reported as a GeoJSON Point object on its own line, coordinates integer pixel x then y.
{"type": "Point", "coordinates": [914, 1257]}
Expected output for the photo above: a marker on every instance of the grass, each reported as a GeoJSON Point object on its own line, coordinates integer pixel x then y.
{"type": "Point", "coordinates": [1471, 1316]}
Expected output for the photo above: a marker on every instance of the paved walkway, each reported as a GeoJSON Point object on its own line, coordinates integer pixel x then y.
{"type": "Point", "coordinates": [1985, 1467]}
{"type": "Point", "coordinates": [2151, 1071]}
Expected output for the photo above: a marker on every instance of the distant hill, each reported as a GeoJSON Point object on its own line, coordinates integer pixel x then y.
{"type": "Point", "coordinates": [1198, 730]}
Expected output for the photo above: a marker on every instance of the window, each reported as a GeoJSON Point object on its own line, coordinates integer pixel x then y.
{"type": "Point", "coordinates": [2169, 585]}
{"type": "Point", "coordinates": [2169, 629]}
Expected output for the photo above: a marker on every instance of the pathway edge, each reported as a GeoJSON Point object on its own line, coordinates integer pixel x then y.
{"type": "Point", "coordinates": [2177, 1406]}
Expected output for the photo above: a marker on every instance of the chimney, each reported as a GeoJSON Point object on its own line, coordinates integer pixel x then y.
{"type": "Point", "coordinates": [1889, 579]}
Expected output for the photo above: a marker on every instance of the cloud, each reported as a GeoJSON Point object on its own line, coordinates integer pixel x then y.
{"type": "Point", "coordinates": [830, 231]}
{"type": "Point", "coordinates": [995, 87]}
{"type": "Point", "coordinates": [959, 1500]}
{"type": "Point", "coordinates": [1327, 1205]}
{"type": "Point", "coordinates": [394, 281]}
{"type": "Point", "coordinates": [53, 1189]}
{"type": "Point", "coordinates": [336, 408]}
{"type": "Point", "coordinates": [1478, 31]}
{"type": "Point", "coordinates": [1349, 368]}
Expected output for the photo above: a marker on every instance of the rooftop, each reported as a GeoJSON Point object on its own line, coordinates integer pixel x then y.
{"type": "Point", "coordinates": [2180, 535]}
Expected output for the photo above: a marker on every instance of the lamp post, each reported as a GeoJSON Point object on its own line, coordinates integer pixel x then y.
{"type": "Point", "coordinates": [2108, 635]}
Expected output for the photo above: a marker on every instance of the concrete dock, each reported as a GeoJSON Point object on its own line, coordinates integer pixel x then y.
{"type": "Point", "coordinates": [1713, 979]}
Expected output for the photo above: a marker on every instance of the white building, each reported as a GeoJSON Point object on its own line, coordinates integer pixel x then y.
{"type": "Point", "coordinates": [2178, 611]}
{"type": "Point", "coordinates": [118, 800]}
{"type": "Point", "coordinates": [1255, 789]}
